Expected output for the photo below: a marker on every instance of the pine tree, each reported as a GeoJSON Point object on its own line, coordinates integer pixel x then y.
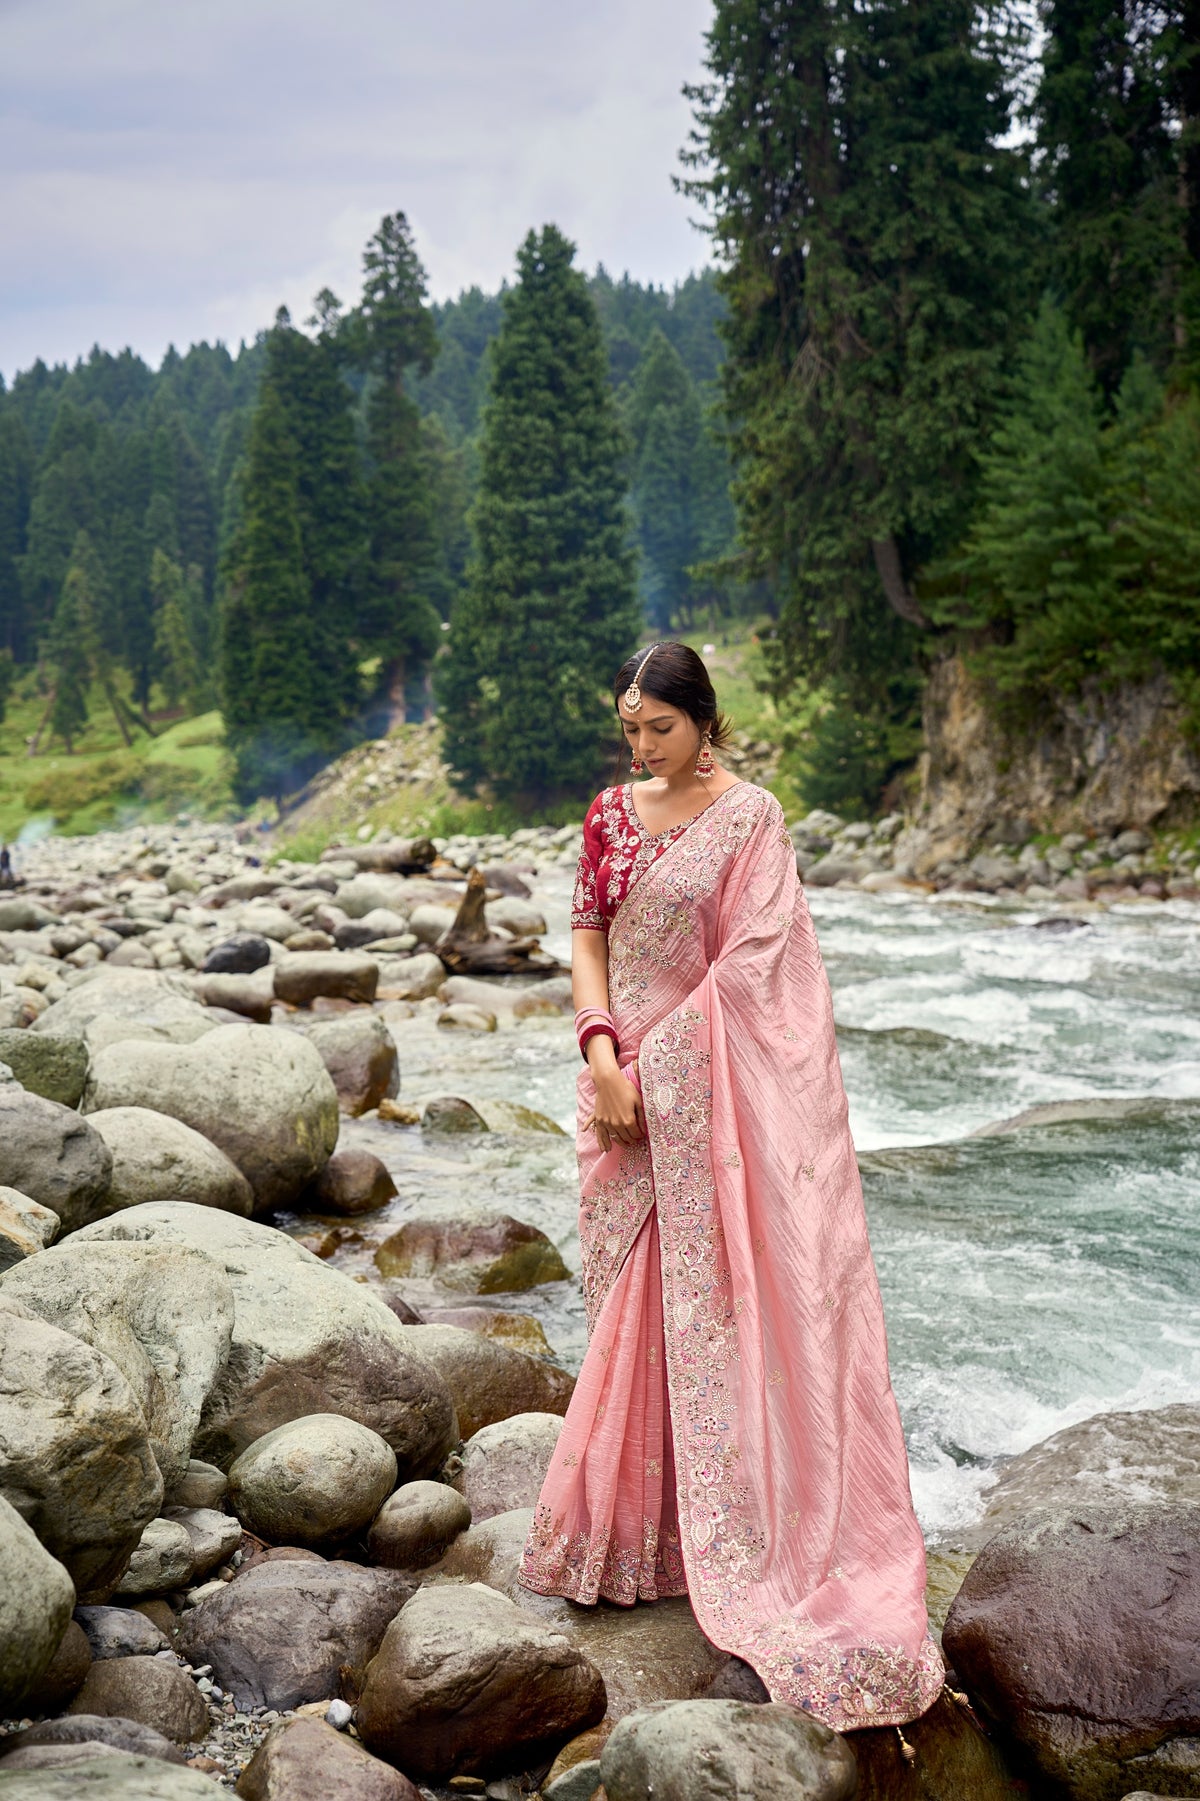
{"type": "Point", "coordinates": [665, 425]}
{"type": "Point", "coordinates": [16, 482]}
{"type": "Point", "coordinates": [174, 650]}
{"type": "Point", "coordinates": [549, 610]}
{"type": "Point", "coordinates": [877, 236]}
{"type": "Point", "coordinates": [67, 644]}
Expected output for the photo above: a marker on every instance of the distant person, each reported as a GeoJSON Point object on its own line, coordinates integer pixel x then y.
{"type": "Point", "coordinates": [7, 878]}
{"type": "Point", "coordinates": [733, 1434]}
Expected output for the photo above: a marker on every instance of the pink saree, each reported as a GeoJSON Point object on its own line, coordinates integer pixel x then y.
{"type": "Point", "coordinates": [733, 1434]}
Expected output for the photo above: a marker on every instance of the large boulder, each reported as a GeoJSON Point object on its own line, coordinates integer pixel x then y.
{"type": "Point", "coordinates": [36, 1599]}
{"type": "Point", "coordinates": [64, 1675]}
{"type": "Point", "coordinates": [90, 1731]}
{"type": "Point", "coordinates": [120, 1632]}
{"type": "Point", "coordinates": [107, 1775]}
{"type": "Point", "coordinates": [312, 1482]}
{"type": "Point", "coordinates": [360, 1054]}
{"type": "Point", "coordinates": [49, 1153]}
{"type": "Point", "coordinates": [306, 1339]}
{"type": "Point", "coordinates": [303, 1758]}
{"type": "Point", "coordinates": [262, 1096]}
{"type": "Point", "coordinates": [1077, 1631]}
{"type": "Point", "coordinates": [711, 1750]}
{"type": "Point", "coordinates": [162, 1312]}
{"type": "Point", "coordinates": [26, 1227]}
{"type": "Point", "coordinates": [415, 1526]}
{"type": "Point", "coordinates": [505, 1464]}
{"type": "Point", "coordinates": [279, 1634]}
{"type": "Point", "coordinates": [52, 1064]}
{"type": "Point", "coordinates": [953, 1759]}
{"type": "Point", "coordinates": [489, 1380]}
{"type": "Point", "coordinates": [301, 977]}
{"type": "Point", "coordinates": [478, 1250]}
{"type": "Point", "coordinates": [75, 1457]}
{"type": "Point", "coordinates": [115, 1004]}
{"type": "Point", "coordinates": [465, 1684]}
{"type": "Point", "coordinates": [157, 1158]}
{"type": "Point", "coordinates": [152, 1690]}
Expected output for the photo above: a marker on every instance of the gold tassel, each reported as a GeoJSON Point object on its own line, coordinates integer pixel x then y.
{"type": "Point", "coordinates": [906, 1750]}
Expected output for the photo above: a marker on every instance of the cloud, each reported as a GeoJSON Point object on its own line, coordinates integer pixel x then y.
{"type": "Point", "coordinates": [176, 172]}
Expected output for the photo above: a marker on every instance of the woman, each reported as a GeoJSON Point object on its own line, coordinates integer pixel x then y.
{"type": "Point", "coordinates": [733, 1434]}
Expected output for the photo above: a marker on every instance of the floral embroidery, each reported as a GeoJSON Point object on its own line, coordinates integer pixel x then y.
{"type": "Point", "coordinates": [617, 851]}
{"type": "Point", "coordinates": [732, 1161]}
{"type": "Point", "coordinates": [571, 1460]}
{"type": "Point", "coordinates": [585, 1568]}
{"type": "Point", "coordinates": [653, 1466]}
{"type": "Point", "coordinates": [806, 1170]}
{"type": "Point", "coordinates": [775, 1378]}
{"type": "Point", "coordinates": [610, 1218]}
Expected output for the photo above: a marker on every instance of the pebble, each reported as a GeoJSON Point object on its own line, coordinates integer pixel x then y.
{"type": "Point", "coordinates": [339, 1714]}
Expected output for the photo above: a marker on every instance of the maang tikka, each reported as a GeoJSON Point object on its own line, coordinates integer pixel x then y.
{"type": "Point", "coordinates": [633, 694]}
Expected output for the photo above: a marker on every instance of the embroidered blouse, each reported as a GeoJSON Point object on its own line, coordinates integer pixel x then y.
{"type": "Point", "coordinates": [617, 850]}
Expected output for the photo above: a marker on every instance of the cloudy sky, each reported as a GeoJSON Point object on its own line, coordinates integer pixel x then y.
{"type": "Point", "coordinates": [175, 169]}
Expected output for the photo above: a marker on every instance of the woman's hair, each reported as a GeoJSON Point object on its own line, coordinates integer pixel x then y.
{"type": "Point", "coordinates": [676, 675]}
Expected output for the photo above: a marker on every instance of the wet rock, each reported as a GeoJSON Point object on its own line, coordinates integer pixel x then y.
{"type": "Point", "coordinates": [488, 1380]}
{"type": "Point", "coordinates": [451, 1113]}
{"type": "Point", "coordinates": [156, 1158]}
{"type": "Point", "coordinates": [201, 1485]}
{"type": "Point", "coordinates": [1077, 1631]}
{"type": "Point", "coordinates": [480, 1251]}
{"type": "Point", "coordinates": [360, 1054]}
{"type": "Point", "coordinates": [306, 1339]}
{"type": "Point", "coordinates": [238, 955]}
{"type": "Point", "coordinates": [313, 1481]}
{"type": "Point", "coordinates": [163, 1313]}
{"type": "Point", "coordinates": [465, 1684]}
{"type": "Point", "coordinates": [954, 1761]}
{"type": "Point", "coordinates": [75, 1458]}
{"type": "Point", "coordinates": [411, 978]}
{"type": "Point", "coordinates": [113, 1005]}
{"type": "Point", "coordinates": [120, 1632]}
{"type": "Point", "coordinates": [416, 1524]}
{"type": "Point", "coordinates": [54, 1065]}
{"type": "Point", "coordinates": [504, 1464]}
{"type": "Point", "coordinates": [302, 976]}
{"type": "Point", "coordinates": [161, 1562]}
{"type": "Point", "coordinates": [36, 1598]}
{"type": "Point", "coordinates": [708, 1750]}
{"type": "Point", "coordinates": [353, 1182]}
{"type": "Point", "coordinates": [520, 1330]}
{"type": "Point", "coordinates": [106, 1775]}
{"type": "Point", "coordinates": [278, 1635]}
{"type": "Point", "coordinates": [52, 1155]}
{"type": "Point", "coordinates": [301, 1759]}
{"type": "Point", "coordinates": [26, 1227]}
{"type": "Point", "coordinates": [151, 1690]}
{"type": "Point", "coordinates": [262, 1096]}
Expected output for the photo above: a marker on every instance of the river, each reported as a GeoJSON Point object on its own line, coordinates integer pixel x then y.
{"type": "Point", "coordinates": [1030, 1278]}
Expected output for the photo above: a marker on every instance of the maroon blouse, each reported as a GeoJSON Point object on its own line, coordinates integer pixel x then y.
{"type": "Point", "coordinates": [617, 850]}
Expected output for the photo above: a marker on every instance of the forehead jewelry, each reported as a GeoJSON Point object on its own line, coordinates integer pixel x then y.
{"type": "Point", "coordinates": [633, 694]}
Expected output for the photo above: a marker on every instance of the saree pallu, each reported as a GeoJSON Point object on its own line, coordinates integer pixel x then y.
{"type": "Point", "coordinates": [733, 1434]}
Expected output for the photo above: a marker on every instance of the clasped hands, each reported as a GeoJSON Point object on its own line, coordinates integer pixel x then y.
{"type": "Point", "coordinates": [618, 1117]}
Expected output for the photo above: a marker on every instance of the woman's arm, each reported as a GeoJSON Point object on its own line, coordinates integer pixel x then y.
{"type": "Point", "coordinates": [618, 1117]}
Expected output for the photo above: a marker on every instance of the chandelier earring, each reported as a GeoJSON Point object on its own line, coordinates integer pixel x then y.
{"type": "Point", "coordinates": [704, 760]}
{"type": "Point", "coordinates": [635, 763]}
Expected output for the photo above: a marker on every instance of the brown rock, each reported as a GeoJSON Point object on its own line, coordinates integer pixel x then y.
{"type": "Point", "coordinates": [520, 1330]}
{"type": "Point", "coordinates": [360, 1054]}
{"type": "Point", "coordinates": [416, 1524]}
{"type": "Point", "coordinates": [710, 1750]}
{"type": "Point", "coordinates": [954, 1761]}
{"type": "Point", "coordinates": [488, 1380]}
{"type": "Point", "coordinates": [92, 1729]}
{"type": "Point", "coordinates": [280, 1633]}
{"type": "Point", "coordinates": [65, 1675]}
{"type": "Point", "coordinates": [1078, 1632]}
{"type": "Point", "coordinates": [353, 1182]}
{"type": "Point", "coordinates": [147, 1689]}
{"type": "Point", "coordinates": [505, 1464]}
{"type": "Point", "coordinates": [465, 1684]}
{"type": "Point", "coordinates": [160, 1613]}
{"type": "Point", "coordinates": [584, 1748]}
{"type": "Point", "coordinates": [300, 1760]}
{"type": "Point", "coordinates": [300, 976]}
{"type": "Point", "coordinates": [482, 1252]}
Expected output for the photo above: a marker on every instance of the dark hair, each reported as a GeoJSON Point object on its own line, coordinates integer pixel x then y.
{"type": "Point", "coordinates": [676, 675]}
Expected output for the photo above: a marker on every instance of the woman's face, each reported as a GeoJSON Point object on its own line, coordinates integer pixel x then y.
{"type": "Point", "coordinates": [664, 738]}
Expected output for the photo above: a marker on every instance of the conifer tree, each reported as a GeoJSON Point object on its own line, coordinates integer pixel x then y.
{"type": "Point", "coordinates": [174, 650]}
{"type": "Point", "coordinates": [67, 645]}
{"type": "Point", "coordinates": [549, 610]}
{"type": "Point", "coordinates": [16, 481]}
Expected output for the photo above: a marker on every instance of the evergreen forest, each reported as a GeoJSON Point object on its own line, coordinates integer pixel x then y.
{"type": "Point", "coordinates": [940, 390]}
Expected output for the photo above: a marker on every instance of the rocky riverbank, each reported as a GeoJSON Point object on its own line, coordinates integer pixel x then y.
{"type": "Point", "coordinates": [260, 1517]}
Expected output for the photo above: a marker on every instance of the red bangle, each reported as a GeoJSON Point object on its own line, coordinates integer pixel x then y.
{"type": "Point", "coordinates": [600, 1028]}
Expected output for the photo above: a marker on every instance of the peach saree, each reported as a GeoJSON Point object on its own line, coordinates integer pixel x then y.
{"type": "Point", "coordinates": [733, 1434]}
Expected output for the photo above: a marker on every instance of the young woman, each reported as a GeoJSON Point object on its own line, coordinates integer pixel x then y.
{"type": "Point", "coordinates": [733, 1435]}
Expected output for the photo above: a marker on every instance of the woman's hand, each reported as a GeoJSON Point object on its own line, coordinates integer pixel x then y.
{"type": "Point", "coordinates": [618, 1118]}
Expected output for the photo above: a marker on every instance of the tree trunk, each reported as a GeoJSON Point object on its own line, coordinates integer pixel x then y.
{"type": "Point", "coordinates": [470, 948]}
{"type": "Point", "coordinates": [897, 592]}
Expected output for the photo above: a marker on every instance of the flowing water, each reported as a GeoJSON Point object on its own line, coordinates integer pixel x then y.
{"type": "Point", "coordinates": [1031, 1277]}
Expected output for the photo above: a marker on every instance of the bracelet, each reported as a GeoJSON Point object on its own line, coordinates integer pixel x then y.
{"type": "Point", "coordinates": [590, 1022]}
{"type": "Point", "coordinates": [596, 1030]}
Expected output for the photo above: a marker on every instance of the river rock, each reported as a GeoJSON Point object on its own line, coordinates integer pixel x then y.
{"type": "Point", "coordinates": [353, 1182]}
{"type": "Point", "coordinates": [380, 925]}
{"type": "Point", "coordinates": [52, 1155]}
{"type": "Point", "coordinates": [26, 1227]}
{"type": "Point", "coordinates": [162, 1562]}
{"type": "Point", "coordinates": [108, 1776]}
{"type": "Point", "coordinates": [360, 1054]}
{"type": "Point", "coordinates": [214, 1535]}
{"type": "Point", "coordinates": [429, 922]}
{"type": "Point", "coordinates": [36, 1598]}
{"type": "Point", "coordinates": [466, 1017]}
{"type": "Point", "coordinates": [488, 1380]}
{"type": "Point", "coordinates": [710, 1750]}
{"type": "Point", "coordinates": [279, 1633]}
{"type": "Point", "coordinates": [252, 997]}
{"type": "Point", "coordinates": [152, 1690]}
{"type": "Point", "coordinates": [364, 895]}
{"type": "Point", "coordinates": [239, 955]}
{"type": "Point", "coordinates": [480, 1251]}
{"type": "Point", "coordinates": [301, 977]}
{"type": "Point", "coordinates": [517, 916]}
{"type": "Point", "coordinates": [306, 1339]}
{"type": "Point", "coordinates": [505, 1464]}
{"type": "Point", "coordinates": [52, 1064]}
{"type": "Point", "coordinates": [162, 1312]}
{"type": "Point", "coordinates": [262, 1096]}
{"type": "Point", "coordinates": [313, 1481]}
{"type": "Point", "coordinates": [64, 1675]}
{"type": "Point", "coordinates": [120, 1632]}
{"type": "Point", "coordinates": [202, 1485]}
{"type": "Point", "coordinates": [92, 1729]}
{"type": "Point", "coordinates": [416, 1524]}
{"type": "Point", "coordinates": [411, 978]}
{"type": "Point", "coordinates": [1078, 1630]}
{"type": "Point", "coordinates": [464, 1684]}
{"type": "Point", "coordinates": [157, 1158]}
{"type": "Point", "coordinates": [303, 1758]}
{"type": "Point", "coordinates": [115, 1004]}
{"type": "Point", "coordinates": [21, 913]}
{"type": "Point", "coordinates": [75, 1458]}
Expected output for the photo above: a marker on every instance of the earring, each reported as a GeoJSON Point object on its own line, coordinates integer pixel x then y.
{"type": "Point", "coordinates": [635, 764]}
{"type": "Point", "coordinates": [704, 760]}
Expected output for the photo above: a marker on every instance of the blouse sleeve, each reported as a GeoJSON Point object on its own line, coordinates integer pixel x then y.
{"type": "Point", "coordinates": [586, 914]}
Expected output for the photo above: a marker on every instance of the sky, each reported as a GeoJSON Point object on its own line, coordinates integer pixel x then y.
{"type": "Point", "coordinates": [175, 170]}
